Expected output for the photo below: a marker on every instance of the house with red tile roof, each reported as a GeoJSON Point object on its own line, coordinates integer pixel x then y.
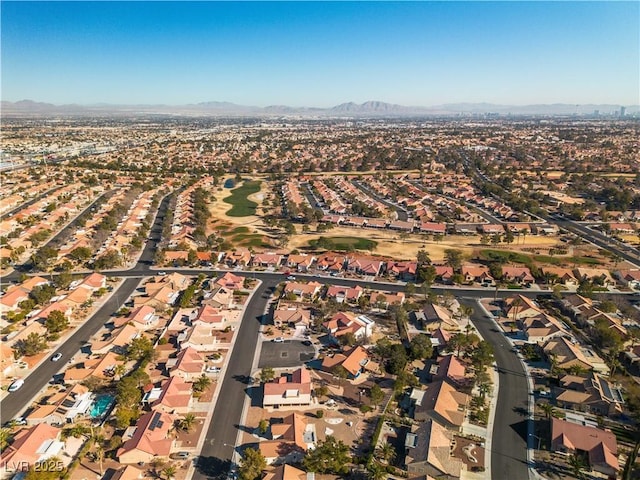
{"type": "Point", "coordinates": [144, 317]}
{"type": "Point", "coordinates": [629, 278]}
{"type": "Point", "coordinates": [600, 446]}
{"type": "Point", "coordinates": [308, 290]}
{"type": "Point", "coordinates": [10, 301]}
{"type": "Point", "coordinates": [188, 364]}
{"type": "Point", "coordinates": [290, 440]}
{"type": "Point", "coordinates": [355, 361]}
{"type": "Point", "coordinates": [342, 323]}
{"type": "Point", "coordinates": [477, 273]}
{"type": "Point", "coordinates": [230, 281]}
{"type": "Point", "coordinates": [288, 390]}
{"type": "Point", "coordinates": [364, 266]}
{"type": "Point", "coordinates": [295, 317]}
{"type": "Point", "coordinates": [519, 275]}
{"type": "Point", "coordinates": [302, 263]}
{"type": "Point", "coordinates": [149, 439]}
{"type": "Point", "coordinates": [285, 472]}
{"type": "Point", "coordinates": [273, 260]}
{"type": "Point", "coordinates": [174, 396]}
{"type": "Point", "coordinates": [331, 262]}
{"type": "Point", "coordinates": [452, 370]}
{"type": "Point", "coordinates": [405, 271]}
{"type": "Point", "coordinates": [344, 294]}
{"type": "Point", "coordinates": [31, 446]}
{"type": "Point", "coordinates": [444, 273]}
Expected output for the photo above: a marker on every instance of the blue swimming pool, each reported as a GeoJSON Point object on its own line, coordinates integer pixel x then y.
{"type": "Point", "coordinates": [101, 405]}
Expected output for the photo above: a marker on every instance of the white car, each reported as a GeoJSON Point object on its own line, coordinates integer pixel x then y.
{"type": "Point", "coordinates": [213, 370]}
{"type": "Point", "coordinates": [16, 385]}
{"type": "Point", "coordinates": [291, 277]}
{"type": "Point", "coordinates": [279, 339]}
{"type": "Point", "coordinates": [56, 357]}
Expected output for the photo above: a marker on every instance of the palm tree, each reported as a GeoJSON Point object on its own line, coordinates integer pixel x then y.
{"type": "Point", "coordinates": [577, 465]}
{"type": "Point", "coordinates": [187, 422]}
{"type": "Point", "coordinates": [548, 409]}
{"type": "Point", "coordinates": [118, 371]}
{"type": "Point", "coordinates": [169, 472]}
{"type": "Point", "coordinates": [375, 471]}
{"type": "Point", "coordinates": [201, 384]}
{"type": "Point", "coordinates": [97, 440]}
{"type": "Point", "coordinates": [387, 452]}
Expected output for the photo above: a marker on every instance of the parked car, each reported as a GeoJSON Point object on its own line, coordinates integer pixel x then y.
{"type": "Point", "coordinates": [279, 339]}
{"type": "Point", "coordinates": [291, 277]}
{"type": "Point", "coordinates": [179, 455]}
{"type": "Point", "coordinates": [213, 370]}
{"type": "Point", "coordinates": [56, 357]}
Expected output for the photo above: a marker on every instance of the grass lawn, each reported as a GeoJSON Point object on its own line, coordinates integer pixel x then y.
{"type": "Point", "coordinates": [343, 243]}
{"type": "Point", "coordinates": [241, 205]}
{"type": "Point", "coordinates": [506, 256]}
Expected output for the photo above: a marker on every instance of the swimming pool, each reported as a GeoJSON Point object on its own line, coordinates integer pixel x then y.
{"type": "Point", "coordinates": [101, 405]}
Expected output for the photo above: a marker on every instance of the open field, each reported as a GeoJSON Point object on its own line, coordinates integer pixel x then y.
{"type": "Point", "coordinates": [344, 243]}
{"type": "Point", "coordinates": [241, 205]}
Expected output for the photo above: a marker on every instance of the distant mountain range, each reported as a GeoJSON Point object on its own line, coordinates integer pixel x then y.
{"type": "Point", "coordinates": [350, 109]}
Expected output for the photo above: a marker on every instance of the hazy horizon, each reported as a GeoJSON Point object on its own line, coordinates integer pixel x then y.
{"type": "Point", "coordinates": [321, 54]}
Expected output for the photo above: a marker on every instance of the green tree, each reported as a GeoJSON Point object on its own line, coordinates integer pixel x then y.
{"type": "Point", "coordinates": [330, 456]}
{"type": "Point", "coordinates": [376, 394]}
{"type": "Point", "coordinates": [80, 254]}
{"type": "Point", "coordinates": [267, 374]}
{"type": "Point", "coordinates": [397, 360]}
{"type": "Point", "coordinates": [577, 464]}
{"type": "Point", "coordinates": [420, 347]}
{"type": "Point", "coordinates": [140, 348]}
{"type": "Point", "coordinates": [548, 409]}
{"type": "Point", "coordinates": [453, 258]}
{"type": "Point", "coordinates": [56, 322]}
{"type": "Point", "coordinates": [386, 452]}
{"type": "Point", "coordinates": [32, 345]}
{"type": "Point", "coordinates": [252, 464]}
{"type": "Point", "coordinates": [5, 436]}
{"type": "Point", "coordinates": [169, 472]}
{"type": "Point", "coordinates": [41, 294]}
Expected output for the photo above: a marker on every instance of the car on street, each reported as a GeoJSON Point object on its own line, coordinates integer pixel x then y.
{"type": "Point", "coordinates": [162, 274]}
{"type": "Point", "coordinates": [291, 277]}
{"type": "Point", "coordinates": [16, 385]}
{"type": "Point", "coordinates": [56, 357]}
{"type": "Point", "coordinates": [279, 339]}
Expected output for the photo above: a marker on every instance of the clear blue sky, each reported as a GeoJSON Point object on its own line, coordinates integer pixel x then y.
{"type": "Point", "coordinates": [321, 54]}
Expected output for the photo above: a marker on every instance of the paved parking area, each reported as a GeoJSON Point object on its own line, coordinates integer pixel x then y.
{"type": "Point", "coordinates": [290, 353]}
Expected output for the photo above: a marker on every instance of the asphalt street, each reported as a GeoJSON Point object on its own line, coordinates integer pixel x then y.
{"type": "Point", "coordinates": [402, 213]}
{"type": "Point", "coordinates": [509, 436]}
{"type": "Point", "coordinates": [215, 457]}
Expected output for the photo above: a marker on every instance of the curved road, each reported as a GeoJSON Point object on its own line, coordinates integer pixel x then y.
{"type": "Point", "coordinates": [510, 426]}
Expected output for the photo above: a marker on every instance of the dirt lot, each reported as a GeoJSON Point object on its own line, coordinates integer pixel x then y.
{"type": "Point", "coordinates": [392, 245]}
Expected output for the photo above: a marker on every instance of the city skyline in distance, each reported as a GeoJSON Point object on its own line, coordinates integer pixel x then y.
{"type": "Point", "coordinates": [320, 55]}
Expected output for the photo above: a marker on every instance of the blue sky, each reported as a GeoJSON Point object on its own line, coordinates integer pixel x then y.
{"type": "Point", "coordinates": [321, 54]}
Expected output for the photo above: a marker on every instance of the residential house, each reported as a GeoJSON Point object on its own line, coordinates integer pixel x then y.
{"type": "Point", "coordinates": [289, 440]}
{"type": "Point", "coordinates": [240, 257]}
{"type": "Point", "coordinates": [188, 364]}
{"type": "Point", "coordinates": [149, 439]}
{"type": "Point", "coordinates": [478, 274]}
{"type": "Point", "coordinates": [596, 275]}
{"type": "Point", "coordinates": [342, 323]}
{"type": "Point", "coordinates": [449, 368]}
{"type": "Point", "coordinates": [102, 367]}
{"type": "Point", "coordinates": [559, 275]}
{"type": "Point", "coordinates": [219, 297]}
{"type": "Point", "coordinates": [174, 396]}
{"type": "Point", "coordinates": [288, 390]}
{"type": "Point", "coordinates": [308, 290]}
{"type": "Point", "coordinates": [143, 317]}
{"type": "Point", "coordinates": [440, 402]}
{"type": "Point", "coordinates": [302, 263]}
{"type": "Point", "coordinates": [404, 271]}
{"type": "Point", "coordinates": [364, 266]}
{"type": "Point", "coordinates": [10, 301]}
{"type": "Point", "coordinates": [128, 472]}
{"type": "Point", "coordinates": [267, 260]}
{"type": "Point", "coordinates": [385, 299]}
{"type": "Point", "coordinates": [331, 262]}
{"type": "Point", "coordinates": [285, 472]}
{"type": "Point", "coordinates": [63, 407]}
{"type": "Point", "coordinates": [117, 340]}
{"type": "Point", "coordinates": [519, 307]}
{"type": "Point", "coordinates": [433, 317]}
{"type": "Point", "coordinates": [568, 354]}
{"type": "Point", "coordinates": [230, 281]}
{"type": "Point", "coordinates": [428, 452]}
{"type": "Point", "coordinates": [541, 328]}
{"type": "Point", "coordinates": [592, 393]}
{"type": "Point", "coordinates": [600, 446]}
{"type": "Point", "coordinates": [629, 278]}
{"type": "Point", "coordinates": [355, 361]}
{"type": "Point", "coordinates": [519, 275]}
{"type": "Point", "coordinates": [296, 317]}
{"type": "Point", "coordinates": [31, 446]}
{"type": "Point", "coordinates": [344, 294]}
{"type": "Point", "coordinates": [444, 273]}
